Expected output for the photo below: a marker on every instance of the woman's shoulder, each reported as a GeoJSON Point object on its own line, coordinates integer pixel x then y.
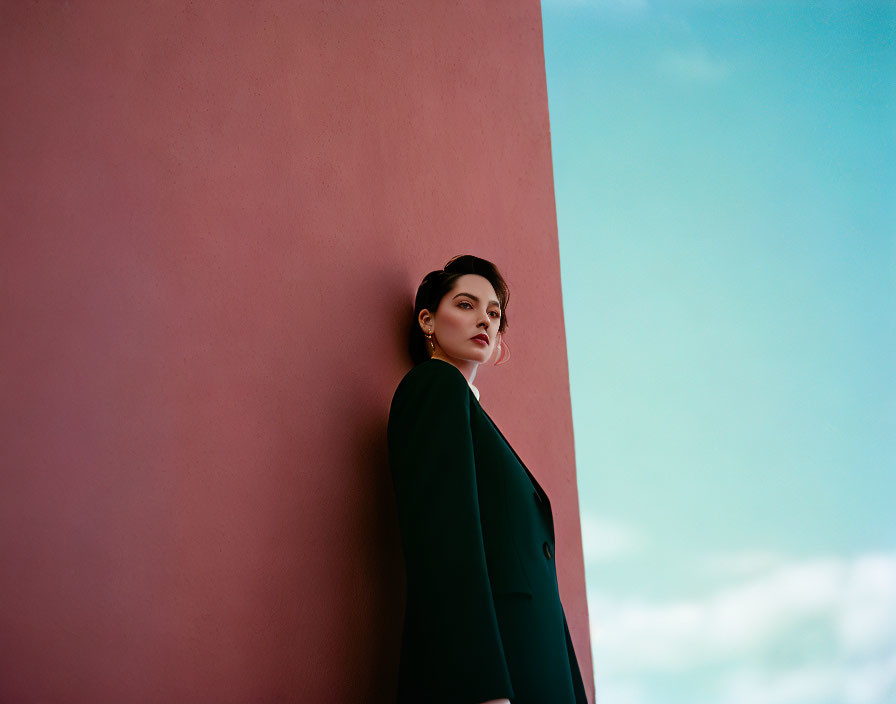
{"type": "Point", "coordinates": [435, 367]}
{"type": "Point", "coordinates": [432, 375]}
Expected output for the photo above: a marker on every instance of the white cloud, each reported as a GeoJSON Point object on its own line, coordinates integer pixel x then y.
{"type": "Point", "coordinates": [604, 539]}
{"type": "Point", "coordinates": [738, 626]}
{"type": "Point", "coordinates": [873, 682]}
{"type": "Point", "coordinates": [695, 65]}
{"type": "Point", "coordinates": [743, 563]}
{"type": "Point", "coordinates": [803, 685]}
{"type": "Point", "coordinates": [671, 635]}
{"type": "Point", "coordinates": [867, 620]}
{"type": "Point", "coordinates": [619, 692]}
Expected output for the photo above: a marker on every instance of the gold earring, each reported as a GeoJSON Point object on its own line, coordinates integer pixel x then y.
{"type": "Point", "coordinates": [432, 347]}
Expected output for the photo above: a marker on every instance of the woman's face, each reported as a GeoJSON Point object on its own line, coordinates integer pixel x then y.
{"type": "Point", "coordinates": [467, 312]}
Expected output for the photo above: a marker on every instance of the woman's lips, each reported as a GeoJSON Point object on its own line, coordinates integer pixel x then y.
{"type": "Point", "coordinates": [480, 340]}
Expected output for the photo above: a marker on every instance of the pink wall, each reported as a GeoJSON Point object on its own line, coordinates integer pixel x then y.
{"type": "Point", "coordinates": [213, 218]}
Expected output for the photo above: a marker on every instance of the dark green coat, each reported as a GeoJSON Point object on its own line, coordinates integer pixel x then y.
{"type": "Point", "coordinates": [483, 618]}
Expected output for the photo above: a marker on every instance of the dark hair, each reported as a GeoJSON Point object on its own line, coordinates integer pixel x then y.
{"type": "Point", "coordinates": [437, 283]}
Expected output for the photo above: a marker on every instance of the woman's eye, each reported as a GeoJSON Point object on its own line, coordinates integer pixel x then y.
{"type": "Point", "coordinates": [466, 304]}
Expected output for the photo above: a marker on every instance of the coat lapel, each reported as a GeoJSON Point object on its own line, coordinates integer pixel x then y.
{"type": "Point", "coordinates": [541, 492]}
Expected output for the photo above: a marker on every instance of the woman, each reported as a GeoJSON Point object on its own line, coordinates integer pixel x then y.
{"type": "Point", "coordinates": [483, 618]}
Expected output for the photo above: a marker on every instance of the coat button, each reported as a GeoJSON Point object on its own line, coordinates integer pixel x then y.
{"type": "Point", "coordinates": [547, 550]}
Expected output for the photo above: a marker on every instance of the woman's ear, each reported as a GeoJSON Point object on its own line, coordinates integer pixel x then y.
{"type": "Point", "coordinates": [425, 320]}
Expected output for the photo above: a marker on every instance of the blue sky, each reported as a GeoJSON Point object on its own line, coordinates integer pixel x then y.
{"type": "Point", "coordinates": [725, 176]}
